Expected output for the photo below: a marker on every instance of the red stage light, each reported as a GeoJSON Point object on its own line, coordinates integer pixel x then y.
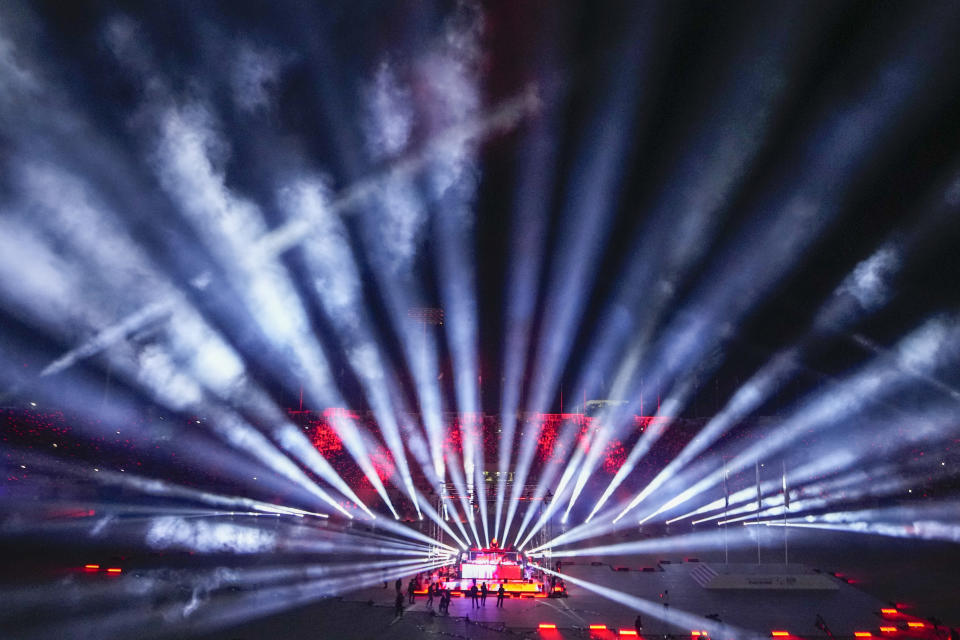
{"type": "Point", "coordinates": [888, 629]}
{"type": "Point", "coordinates": [628, 632]}
{"type": "Point", "coordinates": [889, 612]}
{"type": "Point", "coordinates": [598, 627]}
{"type": "Point", "coordinates": [916, 625]}
{"type": "Point", "coordinates": [91, 567]}
{"type": "Point", "coordinates": [780, 634]}
{"type": "Point", "coordinates": [114, 570]}
{"type": "Point", "coordinates": [547, 625]}
{"type": "Point", "coordinates": [862, 634]}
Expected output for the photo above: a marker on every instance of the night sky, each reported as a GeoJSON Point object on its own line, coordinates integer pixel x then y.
{"type": "Point", "coordinates": [766, 77]}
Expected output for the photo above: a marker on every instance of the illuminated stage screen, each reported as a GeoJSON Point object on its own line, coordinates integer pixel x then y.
{"type": "Point", "coordinates": [491, 566]}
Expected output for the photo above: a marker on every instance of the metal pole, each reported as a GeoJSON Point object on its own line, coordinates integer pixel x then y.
{"type": "Point", "coordinates": [786, 505]}
{"type": "Point", "coordinates": [726, 505]}
{"type": "Point", "coordinates": [759, 499]}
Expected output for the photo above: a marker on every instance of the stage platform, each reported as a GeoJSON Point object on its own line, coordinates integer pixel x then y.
{"type": "Point", "coordinates": [761, 577]}
{"type": "Point", "coordinates": [459, 588]}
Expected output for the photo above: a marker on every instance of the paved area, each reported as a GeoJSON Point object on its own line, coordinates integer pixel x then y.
{"type": "Point", "coordinates": [921, 576]}
{"type": "Point", "coordinates": [368, 613]}
{"type": "Point", "coordinates": [847, 608]}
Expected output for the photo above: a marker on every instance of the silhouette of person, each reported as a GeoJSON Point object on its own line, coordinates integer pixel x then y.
{"type": "Point", "coordinates": [474, 593]}
{"type": "Point", "coordinates": [500, 594]}
{"type": "Point", "coordinates": [483, 594]}
{"type": "Point", "coordinates": [398, 605]}
{"type": "Point", "coordinates": [410, 591]}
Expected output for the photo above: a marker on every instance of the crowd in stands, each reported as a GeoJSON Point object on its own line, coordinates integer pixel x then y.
{"type": "Point", "coordinates": [145, 446]}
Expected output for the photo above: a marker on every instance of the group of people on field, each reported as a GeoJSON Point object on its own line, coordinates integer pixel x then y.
{"type": "Point", "coordinates": [478, 595]}
{"type": "Point", "coordinates": [436, 591]}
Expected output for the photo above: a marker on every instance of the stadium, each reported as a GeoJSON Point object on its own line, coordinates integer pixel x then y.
{"type": "Point", "coordinates": [480, 320]}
